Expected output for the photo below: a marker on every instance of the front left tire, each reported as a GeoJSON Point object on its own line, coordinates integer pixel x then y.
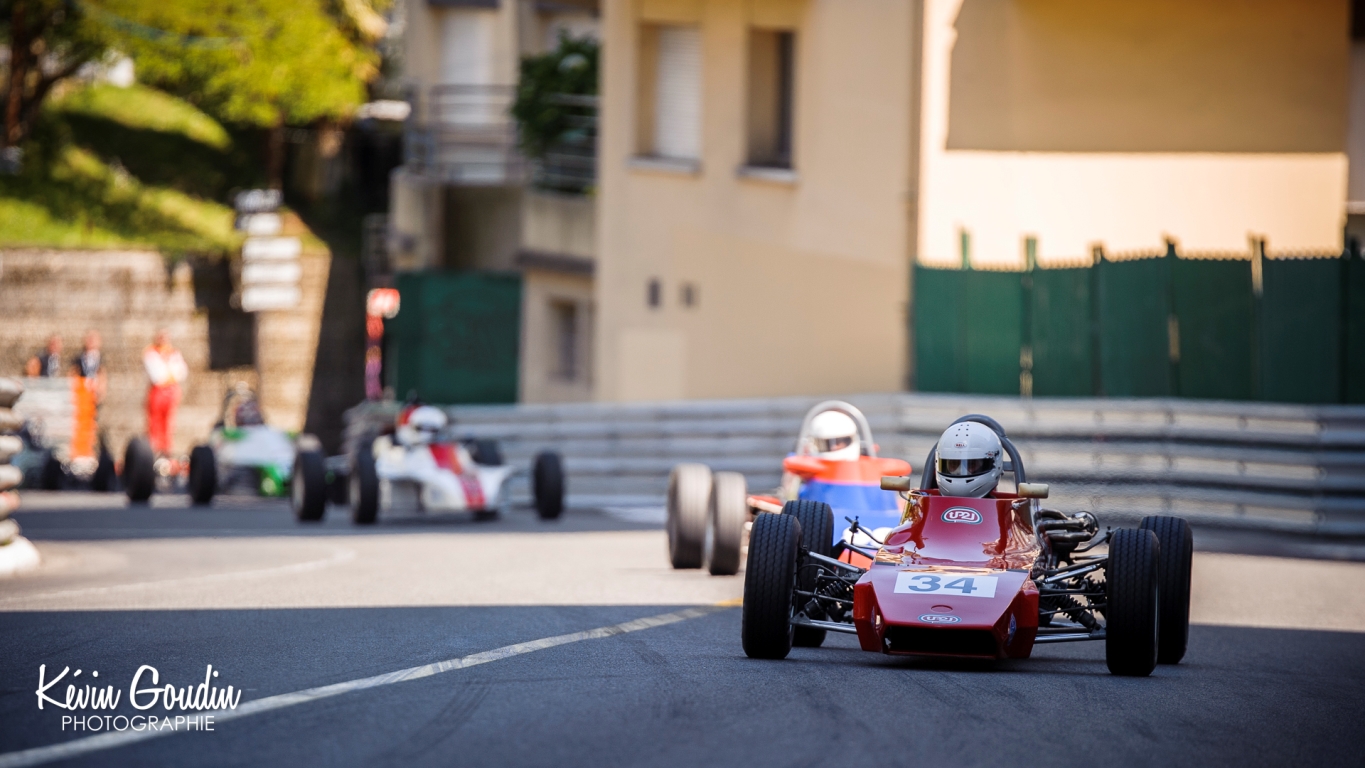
{"type": "Point", "coordinates": [203, 475]}
{"type": "Point", "coordinates": [139, 470]}
{"type": "Point", "coordinates": [1173, 584]}
{"type": "Point", "coordinates": [308, 487]}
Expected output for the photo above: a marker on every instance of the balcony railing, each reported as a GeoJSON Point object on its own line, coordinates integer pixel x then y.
{"type": "Point", "coordinates": [465, 135]}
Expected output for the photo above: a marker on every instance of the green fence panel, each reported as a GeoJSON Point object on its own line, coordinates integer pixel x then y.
{"type": "Point", "coordinates": [1214, 313]}
{"type": "Point", "coordinates": [1134, 310]}
{"type": "Point", "coordinates": [992, 307]}
{"type": "Point", "coordinates": [967, 331]}
{"type": "Point", "coordinates": [938, 350]}
{"type": "Point", "coordinates": [460, 340]}
{"type": "Point", "coordinates": [1299, 355]}
{"type": "Point", "coordinates": [1060, 332]}
{"type": "Point", "coordinates": [1353, 331]}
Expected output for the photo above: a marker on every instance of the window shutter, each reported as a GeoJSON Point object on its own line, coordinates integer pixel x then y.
{"type": "Point", "coordinates": [677, 105]}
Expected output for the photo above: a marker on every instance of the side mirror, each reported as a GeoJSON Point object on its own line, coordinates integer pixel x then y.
{"type": "Point", "coordinates": [1033, 490]}
{"type": "Point", "coordinates": [891, 483]}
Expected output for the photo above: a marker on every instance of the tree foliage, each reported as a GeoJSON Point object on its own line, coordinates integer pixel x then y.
{"type": "Point", "coordinates": [48, 41]}
{"type": "Point", "coordinates": [253, 62]}
{"type": "Point", "coordinates": [544, 116]}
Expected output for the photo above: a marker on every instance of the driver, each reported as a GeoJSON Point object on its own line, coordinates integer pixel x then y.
{"type": "Point", "coordinates": [835, 436]}
{"type": "Point", "coordinates": [968, 460]}
{"type": "Point", "coordinates": [423, 425]}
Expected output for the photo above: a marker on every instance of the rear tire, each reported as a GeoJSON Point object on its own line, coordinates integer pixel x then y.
{"type": "Point", "coordinates": [547, 479]}
{"type": "Point", "coordinates": [689, 491]}
{"type": "Point", "coordinates": [817, 535]}
{"type": "Point", "coordinates": [203, 475]}
{"type": "Point", "coordinates": [308, 487]}
{"type": "Point", "coordinates": [726, 512]}
{"type": "Point", "coordinates": [770, 575]}
{"type": "Point", "coordinates": [139, 472]}
{"type": "Point", "coordinates": [1131, 589]}
{"type": "Point", "coordinates": [1173, 590]}
{"type": "Point", "coordinates": [364, 491]}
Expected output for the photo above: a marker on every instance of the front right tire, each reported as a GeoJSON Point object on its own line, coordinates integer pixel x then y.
{"type": "Point", "coordinates": [1173, 584]}
{"type": "Point", "coordinates": [769, 580]}
{"type": "Point", "coordinates": [203, 475]}
{"type": "Point", "coordinates": [726, 512]}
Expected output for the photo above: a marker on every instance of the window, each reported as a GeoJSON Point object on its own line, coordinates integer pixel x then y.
{"type": "Point", "coordinates": [565, 314]}
{"type": "Point", "coordinates": [670, 118]}
{"type": "Point", "coordinates": [772, 69]}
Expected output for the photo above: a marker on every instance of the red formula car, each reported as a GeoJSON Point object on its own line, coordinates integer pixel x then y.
{"type": "Point", "coordinates": [972, 577]}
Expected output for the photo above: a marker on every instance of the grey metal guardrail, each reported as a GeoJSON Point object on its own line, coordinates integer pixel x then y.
{"type": "Point", "coordinates": [1286, 467]}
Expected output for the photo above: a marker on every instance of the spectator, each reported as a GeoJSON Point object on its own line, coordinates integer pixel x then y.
{"type": "Point", "coordinates": [47, 363]}
{"type": "Point", "coordinates": [166, 370]}
{"type": "Point", "coordinates": [88, 388]}
{"type": "Point", "coordinates": [90, 365]}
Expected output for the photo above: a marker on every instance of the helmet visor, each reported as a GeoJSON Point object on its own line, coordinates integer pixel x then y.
{"type": "Point", "coordinates": [965, 467]}
{"type": "Point", "coordinates": [833, 443]}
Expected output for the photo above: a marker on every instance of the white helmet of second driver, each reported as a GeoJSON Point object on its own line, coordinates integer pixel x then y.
{"type": "Point", "coordinates": [835, 436]}
{"type": "Point", "coordinates": [969, 460]}
{"type": "Point", "coordinates": [424, 424]}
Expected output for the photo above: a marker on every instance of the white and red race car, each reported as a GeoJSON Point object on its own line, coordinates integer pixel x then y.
{"type": "Point", "coordinates": [421, 469]}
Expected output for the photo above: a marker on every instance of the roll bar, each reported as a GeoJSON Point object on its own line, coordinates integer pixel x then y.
{"type": "Point", "coordinates": [864, 431]}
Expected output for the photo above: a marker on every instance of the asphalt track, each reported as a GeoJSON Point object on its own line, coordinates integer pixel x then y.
{"type": "Point", "coordinates": [276, 610]}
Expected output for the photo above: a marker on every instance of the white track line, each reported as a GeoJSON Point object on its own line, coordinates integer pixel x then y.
{"type": "Point", "coordinates": [337, 557]}
{"type": "Point", "coordinates": [88, 744]}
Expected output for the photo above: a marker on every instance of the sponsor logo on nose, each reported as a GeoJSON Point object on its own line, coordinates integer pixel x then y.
{"type": "Point", "coordinates": [938, 618]}
{"type": "Point", "coordinates": [962, 515]}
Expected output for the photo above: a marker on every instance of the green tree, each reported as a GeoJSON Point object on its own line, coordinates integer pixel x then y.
{"type": "Point", "coordinates": [543, 113]}
{"type": "Point", "coordinates": [49, 41]}
{"type": "Point", "coordinates": [258, 63]}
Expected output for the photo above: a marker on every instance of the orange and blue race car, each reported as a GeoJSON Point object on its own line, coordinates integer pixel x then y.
{"type": "Point", "coordinates": [835, 462]}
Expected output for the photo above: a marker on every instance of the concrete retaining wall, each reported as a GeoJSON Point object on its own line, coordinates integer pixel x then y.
{"type": "Point", "coordinates": [127, 295]}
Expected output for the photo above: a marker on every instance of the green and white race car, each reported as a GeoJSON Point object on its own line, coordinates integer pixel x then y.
{"type": "Point", "coordinates": [243, 453]}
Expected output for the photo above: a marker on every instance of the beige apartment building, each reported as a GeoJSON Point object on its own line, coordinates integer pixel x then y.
{"type": "Point", "coordinates": [770, 170]}
{"type": "Point", "coordinates": [463, 199]}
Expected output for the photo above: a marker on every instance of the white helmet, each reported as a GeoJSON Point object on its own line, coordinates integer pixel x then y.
{"type": "Point", "coordinates": [424, 424]}
{"type": "Point", "coordinates": [835, 436]}
{"type": "Point", "coordinates": [969, 462]}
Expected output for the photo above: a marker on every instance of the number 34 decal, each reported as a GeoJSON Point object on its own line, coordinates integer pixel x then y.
{"type": "Point", "coordinates": [912, 583]}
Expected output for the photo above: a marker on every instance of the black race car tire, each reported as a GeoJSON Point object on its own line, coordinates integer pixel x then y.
{"type": "Point", "coordinates": [1132, 610]}
{"type": "Point", "coordinates": [770, 576]}
{"type": "Point", "coordinates": [203, 475]}
{"type": "Point", "coordinates": [817, 535]}
{"type": "Point", "coordinates": [308, 487]}
{"type": "Point", "coordinates": [1177, 559]}
{"type": "Point", "coordinates": [139, 470]}
{"type": "Point", "coordinates": [689, 491]}
{"type": "Point", "coordinates": [726, 512]}
{"type": "Point", "coordinates": [105, 478]}
{"type": "Point", "coordinates": [53, 473]}
{"type": "Point", "coordinates": [364, 490]}
{"type": "Point", "coordinates": [547, 485]}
